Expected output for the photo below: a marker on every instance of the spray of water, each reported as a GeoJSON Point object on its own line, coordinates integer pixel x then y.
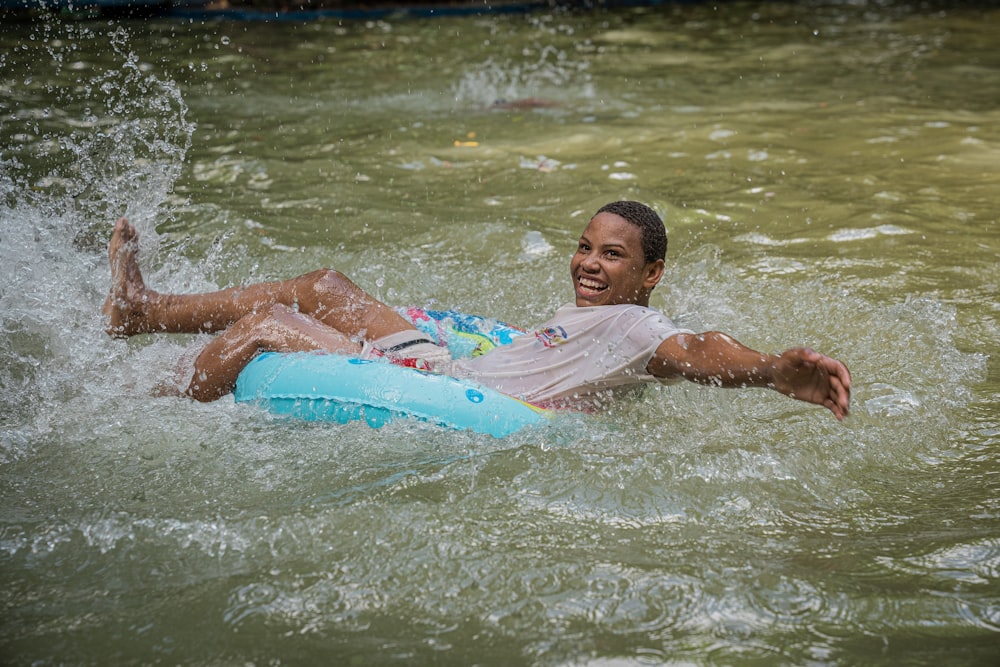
{"type": "Point", "coordinates": [114, 145]}
{"type": "Point", "coordinates": [543, 79]}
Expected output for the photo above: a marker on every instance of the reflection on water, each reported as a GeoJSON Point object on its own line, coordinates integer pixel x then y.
{"type": "Point", "coordinates": [827, 174]}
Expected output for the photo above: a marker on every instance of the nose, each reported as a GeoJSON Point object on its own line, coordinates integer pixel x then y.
{"type": "Point", "coordinates": [589, 262]}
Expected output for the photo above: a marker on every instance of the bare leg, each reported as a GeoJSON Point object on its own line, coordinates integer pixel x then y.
{"type": "Point", "coordinates": [278, 329]}
{"type": "Point", "coordinates": [326, 295]}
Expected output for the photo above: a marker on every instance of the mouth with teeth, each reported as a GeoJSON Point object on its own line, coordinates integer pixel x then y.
{"type": "Point", "coordinates": [589, 286]}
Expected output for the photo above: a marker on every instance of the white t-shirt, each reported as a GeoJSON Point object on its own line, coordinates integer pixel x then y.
{"type": "Point", "coordinates": [576, 358]}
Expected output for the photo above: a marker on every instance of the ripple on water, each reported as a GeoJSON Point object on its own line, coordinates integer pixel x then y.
{"type": "Point", "coordinates": [973, 563]}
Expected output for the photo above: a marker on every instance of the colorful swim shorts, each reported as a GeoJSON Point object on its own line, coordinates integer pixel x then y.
{"type": "Point", "coordinates": [412, 349]}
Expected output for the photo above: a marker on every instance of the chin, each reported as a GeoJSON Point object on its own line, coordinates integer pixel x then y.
{"type": "Point", "coordinates": [591, 302]}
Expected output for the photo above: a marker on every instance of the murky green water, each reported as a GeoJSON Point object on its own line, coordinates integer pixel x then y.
{"type": "Point", "coordinates": [829, 177]}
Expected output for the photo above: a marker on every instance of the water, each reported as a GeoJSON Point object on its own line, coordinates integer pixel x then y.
{"type": "Point", "coordinates": [828, 176]}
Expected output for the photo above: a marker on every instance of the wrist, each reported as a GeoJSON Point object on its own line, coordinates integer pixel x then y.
{"type": "Point", "coordinates": [769, 370]}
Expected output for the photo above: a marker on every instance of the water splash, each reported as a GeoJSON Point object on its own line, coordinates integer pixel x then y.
{"type": "Point", "coordinates": [541, 81]}
{"type": "Point", "coordinates": [115, 144]}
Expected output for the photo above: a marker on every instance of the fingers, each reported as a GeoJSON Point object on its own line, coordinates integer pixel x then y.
{"type": "Point", "coordinates": [831, 380]}
{"type": "Point", "coordinates": [839, 381]}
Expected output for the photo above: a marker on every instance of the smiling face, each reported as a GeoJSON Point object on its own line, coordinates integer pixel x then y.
{"type": "Point", "coordinates": [609, 266]}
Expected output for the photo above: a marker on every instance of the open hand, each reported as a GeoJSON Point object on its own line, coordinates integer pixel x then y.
{"type": "Point", "coordinates": [809, 376]}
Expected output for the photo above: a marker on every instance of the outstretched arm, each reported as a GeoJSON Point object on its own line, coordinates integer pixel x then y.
{"type": "Point", "coordinates": [713, 358]}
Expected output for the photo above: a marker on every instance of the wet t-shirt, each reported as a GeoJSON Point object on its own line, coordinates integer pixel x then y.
{"type": "Point", "coordinates": [577, 358]}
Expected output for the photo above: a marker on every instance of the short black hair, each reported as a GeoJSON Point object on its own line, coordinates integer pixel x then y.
{"type": "Point", "coordinates": [653, 234]}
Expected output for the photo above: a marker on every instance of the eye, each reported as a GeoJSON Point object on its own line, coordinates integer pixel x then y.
{"type": "Point", "coordinates": [583, 247]}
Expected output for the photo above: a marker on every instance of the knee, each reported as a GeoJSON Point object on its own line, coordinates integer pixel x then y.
{"type": "Point", "coordinates": [261, 329]}
{"type": "Point", "coordinates": [326, 291]}
{"type": "Point", "coordinates": [255, 322]}
{"type": "Point", "coordinates": [330, 282]}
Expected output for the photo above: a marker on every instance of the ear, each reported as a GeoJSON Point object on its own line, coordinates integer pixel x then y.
{"type": "Point", "coordinates": [653, 274]}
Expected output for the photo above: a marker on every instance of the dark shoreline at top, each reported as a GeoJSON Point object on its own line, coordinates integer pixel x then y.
{"type": "Point", "coordinates": [276, 10]}
{"type": "Point", "coordinates": [306, 10]}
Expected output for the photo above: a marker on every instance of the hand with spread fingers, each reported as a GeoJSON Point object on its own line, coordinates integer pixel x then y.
{"type": "Point", "coordinates": [807, 375]}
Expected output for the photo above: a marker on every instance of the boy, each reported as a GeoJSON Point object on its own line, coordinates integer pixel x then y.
{"type": "Point", "coordinates": [607, 342]}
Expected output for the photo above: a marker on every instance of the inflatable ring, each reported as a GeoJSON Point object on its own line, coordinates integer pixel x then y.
{"type": "Point", "coordinates": [339, 388]}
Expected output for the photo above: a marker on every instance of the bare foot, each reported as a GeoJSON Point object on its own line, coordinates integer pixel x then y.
{"type": "Point", "coordinates": [125, 305]}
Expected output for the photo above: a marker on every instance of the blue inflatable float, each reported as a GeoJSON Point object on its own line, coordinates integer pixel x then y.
{"type": "Point", "coordinates": [341, 389]}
